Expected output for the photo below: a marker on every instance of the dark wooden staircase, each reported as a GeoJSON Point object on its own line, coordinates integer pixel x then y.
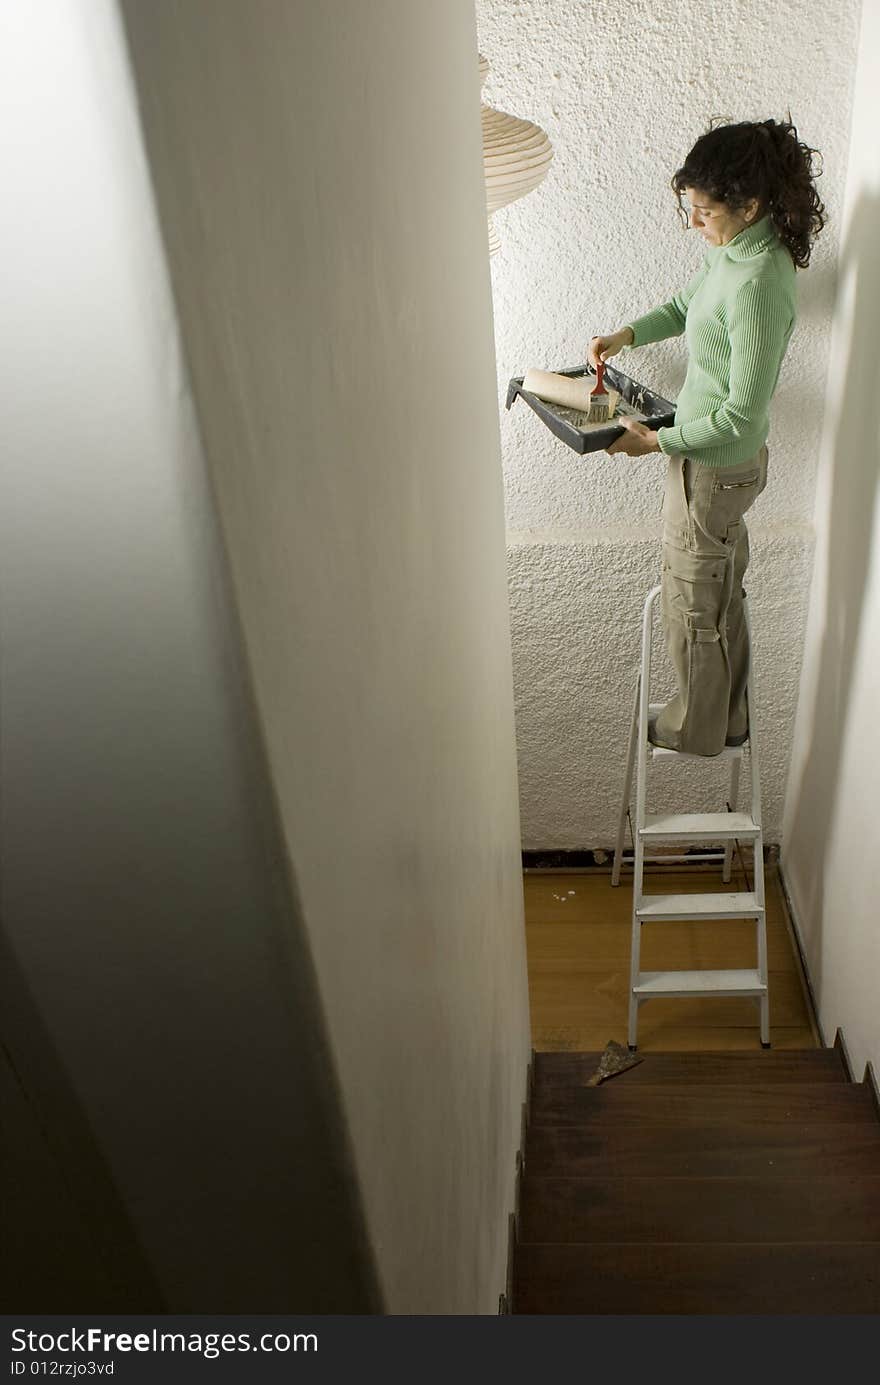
{"type": "Point", "coordinates": [699, 1183]}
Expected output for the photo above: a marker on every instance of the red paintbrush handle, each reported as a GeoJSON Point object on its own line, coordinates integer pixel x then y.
{"type": "Point", "coordinates": [600, 379]}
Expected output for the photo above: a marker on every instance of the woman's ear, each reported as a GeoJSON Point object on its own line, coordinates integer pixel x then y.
{"type": "Point", "coordinates": [750, 211]}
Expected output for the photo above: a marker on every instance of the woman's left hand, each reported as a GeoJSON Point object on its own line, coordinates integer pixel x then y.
{"type": "Point", "coordinates": [637, 441]}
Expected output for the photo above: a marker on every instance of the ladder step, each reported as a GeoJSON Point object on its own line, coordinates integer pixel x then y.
{"type": "Point", "coordinates": [673, 983]}
{"type": "Point", "coordinates": [678, 826]}
{"type": "Point", "coordinates": [718, 905]}
{"type": "Point", "coordinates": [730, 752]}
{"type": "Point", "coordinates": [659, 752]}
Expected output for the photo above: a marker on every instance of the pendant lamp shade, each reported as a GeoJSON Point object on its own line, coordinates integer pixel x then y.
{"type": "Point", "coordinates": [516, 157]}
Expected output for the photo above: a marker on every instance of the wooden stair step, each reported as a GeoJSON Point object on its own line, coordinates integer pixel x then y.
{"type": "Point", "coordinates": [793, 1149]}
{"type": "Point", "coordinates": [834, 1208]}
{"type": "Point", "coordinates": [772, 1065]}
{"type": "Point", "coordinates": [617, 1103]}
{"type": "Point", "coordinates": [807, 1277]}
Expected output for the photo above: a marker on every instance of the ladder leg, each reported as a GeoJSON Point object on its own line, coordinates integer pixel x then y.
{"type": "Point", "coordinates": [633, 1026]}
{"type": "Point", "coordinates": [760, 900]}
{"type": "Point", "coordinates": [635, 953]}
{"type": "Point", "coordinates": [627, 788]}
{"type": "Point", "coordinates": [758, 865]}
{"type": "Point", "coordinates": [764, 1004]}
{"type": "Point", "coordinates": [641, 794]}
{"type": "Point", "coordinates": [734, 797]}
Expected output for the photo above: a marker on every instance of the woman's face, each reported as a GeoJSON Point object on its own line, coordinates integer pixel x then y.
{"type": "Point", "coordinates": [716, 221]}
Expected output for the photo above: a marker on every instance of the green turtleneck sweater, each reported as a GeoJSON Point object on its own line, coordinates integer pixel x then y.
{"type": "Point", "coordinates": [737, 314]}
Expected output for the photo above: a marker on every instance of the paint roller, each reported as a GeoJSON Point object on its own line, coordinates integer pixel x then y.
{"type": "Point", "coordinates": [571, 392]}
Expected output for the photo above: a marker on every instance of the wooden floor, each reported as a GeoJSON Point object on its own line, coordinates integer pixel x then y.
{"type": "Point", "coordinates": [578, 941]}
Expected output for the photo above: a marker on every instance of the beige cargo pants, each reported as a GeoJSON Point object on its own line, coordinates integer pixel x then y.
{"type": "Point", "coordinates": [705, 555]}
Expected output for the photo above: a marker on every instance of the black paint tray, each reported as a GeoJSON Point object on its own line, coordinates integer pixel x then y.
{"type": "Point", "coordinates": [650, 408]}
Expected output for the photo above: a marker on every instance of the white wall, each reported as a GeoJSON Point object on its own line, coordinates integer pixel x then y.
{"type": "Point", "coordinates": [158, 998]}
{"type": "Point", "coordinates": [182, 914]}
{"type": "Point", "coordinates": [831, 853]}
{"type": "Point", "coordinates": [623, 90]}
{"type": "Point", "coordinates": [319, 172]}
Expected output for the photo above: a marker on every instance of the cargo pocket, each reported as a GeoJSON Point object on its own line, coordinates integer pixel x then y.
{"type": "Point", "coordinates": [693, 591]}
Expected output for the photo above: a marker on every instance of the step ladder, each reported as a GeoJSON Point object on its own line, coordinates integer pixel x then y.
{"type": "Point", "coordinates": [730, 828]}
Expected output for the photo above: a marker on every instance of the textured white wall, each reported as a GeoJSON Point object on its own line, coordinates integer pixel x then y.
{"type": "Point", "coordinates": [831, 847]}
{"type": "Point", "coordinates": [623, 89]}
{"type": "Point", "coordinates": [320, 176]}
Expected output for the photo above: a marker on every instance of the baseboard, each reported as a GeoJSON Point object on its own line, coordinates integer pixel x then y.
{"type": "Point", "coordinates": [596, 859]}
{"type": "Point", "coordinates": [839, 1040]}
{"type": "Point", "coordinates": [840, 1046]}
{"type": "Point", "coordinates": [505, 1300]}
{"type": "Point", "coordinates": [600, 858]}
{"type": "Point", "coordinates": [871, 1081]}
{"type": "Point", "coordinates": [805, 970]}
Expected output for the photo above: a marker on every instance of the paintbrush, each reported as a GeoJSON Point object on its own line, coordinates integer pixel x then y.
{"type": "Point", "coordinates": [599, 397]}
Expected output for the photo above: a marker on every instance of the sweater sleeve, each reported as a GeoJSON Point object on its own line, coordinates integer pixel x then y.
{"type": "Point", "coordinates": [758, 326]}
{"type": "Point", "coordinates": [669, 319]}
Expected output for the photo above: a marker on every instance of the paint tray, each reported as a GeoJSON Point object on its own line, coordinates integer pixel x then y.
{"type": "Point", "coordinates": [638, 401]}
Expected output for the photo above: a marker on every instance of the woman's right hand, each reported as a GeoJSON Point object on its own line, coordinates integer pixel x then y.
{"type": "Point", "coordinates": [602, 348]}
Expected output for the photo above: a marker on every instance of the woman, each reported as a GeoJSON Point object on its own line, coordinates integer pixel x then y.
{"type": "Point", "coordinates": [752, 197]}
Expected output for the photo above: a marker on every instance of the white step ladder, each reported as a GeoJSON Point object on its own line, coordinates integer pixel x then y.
{"type": "Point", "coordinates": [729, 827]}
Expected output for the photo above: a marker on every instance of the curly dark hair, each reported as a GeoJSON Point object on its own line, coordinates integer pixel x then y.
{"type": "Point", "coordinates": [734, 163]}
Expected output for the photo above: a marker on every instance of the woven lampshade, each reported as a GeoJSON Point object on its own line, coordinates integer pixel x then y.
{"type": "Point", "coordinates": [516, 156]}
